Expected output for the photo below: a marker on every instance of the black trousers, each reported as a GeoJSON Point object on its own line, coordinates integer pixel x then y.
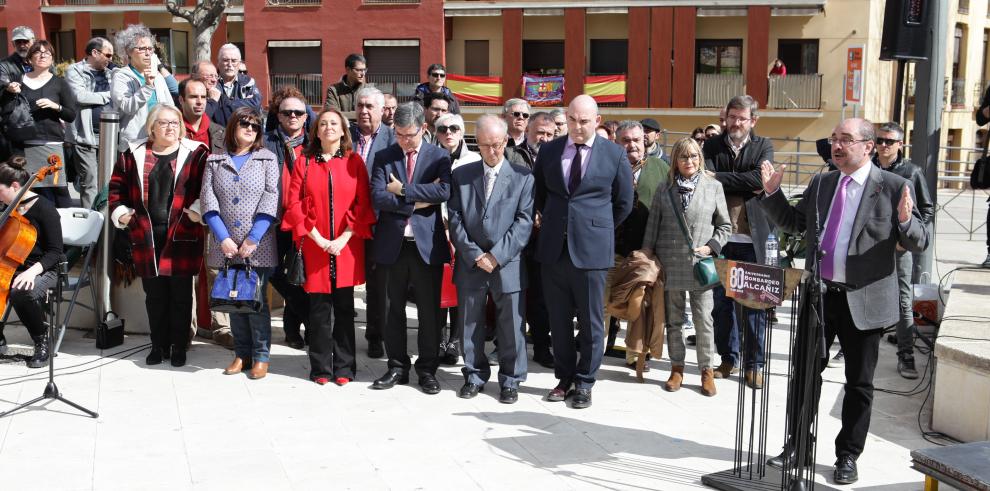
{"type": "Point", "coordinates": [168, 301]}
{"type": "Point", "coordinates": [374, 298]}
{"type": "Point", "coordinates": [331, 349]}
{"type": "Point", "coordinates": [30, 305]}
{"type": "Point", "coordinates": [296, 299]}
{"type": "Point", "coordinates": [410, 270]}
{"type": "Point", "coordinates": [861, 350]}
{"type": "Point", "coordinates": [536, 307]}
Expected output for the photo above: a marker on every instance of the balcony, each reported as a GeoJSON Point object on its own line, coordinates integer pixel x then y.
{"type": "Point", "coordinates": [797, 91]}
{"type": "Point", "coordinates": [401, 85]}
{"type": "Point", "coordinates": [714, 89]}
{"type": "Point", "coordinates": [310, 84]}
{"type": "Point", "coordinates": [958, 98]}
{"type": "Point", "coordinates": [979, 88]}
{"type": "Point", "coordinates": [963, 7]}
{"type": "Point", "coordinates": [293, 3]}
{"type": "Point", "coordinates": [82, 2]}
{"type": "Point", "coordinates": [390, 2]}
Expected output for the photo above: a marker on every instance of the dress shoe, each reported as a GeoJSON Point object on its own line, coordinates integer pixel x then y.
{"type": "Point", "coordinates": [789, 455]}
{"type": "Point", "coordinates": [341, 381]}
{"type": "Point", "coordinates": [543, 358]}
{"type": "Point", "coordinates": [754, 379]}
{"type": "Point", "coordinates": [691, 340]}
{"type": "Point", "coordinates": [387, 381]}
{"type": "Point", "coordinates": [707, 382]}
{"type": "Point", "coordinates": [469, 390]}
{"type": "Point", "coordinates": [508, 395]}
{"type": "Point", "coordinates": [237, 366]}
{"type": "Point", "coordinates": [259, 370]}
{"type": "Point", "coordinates": [581, 399]}
{"type": "Point", "coordinates": [725, 369]}
{"type": "Point", "coordinates": [178, 357]}
{"type": "Point", "coordinates": [429, 384]}
{"type": "Point", "coordinates": [905, 366]}
{"type": "Point", "coordinates": [449, 358]}
{"type": "Point", "coordinates": [376, 349]}
{"type": "Point", "coordinates": [560, 392]}
{"type": "Point", "coordinates": [845, 470]}
{"type": "Point", "coordinates": [154, 357]}
{"type": "Point", "coordinates": [321, 380]}
{"type": "Point", "coordinates": [676, 378]}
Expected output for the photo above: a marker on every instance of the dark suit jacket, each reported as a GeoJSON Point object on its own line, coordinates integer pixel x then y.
{"type": "Point", "coordinates": [871, 270]}
{"type": "Point", "coordinates": [432, 164]}
{"type": "Point", "coordinates": [385, 139]}
{"type": "Point", "coordinates": [501, 225]}
{"type": "Point", "coordinates": [587, 219]}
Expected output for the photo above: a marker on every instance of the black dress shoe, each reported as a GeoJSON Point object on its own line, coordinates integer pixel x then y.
{"type": "Point", "coordinates": [508, 395]}
{"type": "Point", "coordinates": [449, 358]}
{"type": "Point", "coordinates": [469, 390]}
{"type": "Point", "coordinates": [429, 384]}
{"type": "Point", "coordinates": [178, 358]}
{"type": "Point", "coordinates": [376, 349]}
{"type": "Point", "coordinates": [581, 399]}
{"type": "Point", "coordinates": [387, 381]}
{"type": "Point", "coordinates": [845, 470]}
{"type": "Point", "coordinates": [166, 352]}
{"type": "Point", "coordinates": [544, 359]}
{"type": "Point", "coordinates": [789, 455]}
{"type": "Point", "coordinates": [154, 357]}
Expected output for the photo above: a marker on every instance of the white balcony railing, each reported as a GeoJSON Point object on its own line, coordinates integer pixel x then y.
{"type": "Point", "coordinates": [310, 84]}
{"type": "Point", "coordinates": [714, 90]}
{"type": "Point", "coordinates": [797, 91]}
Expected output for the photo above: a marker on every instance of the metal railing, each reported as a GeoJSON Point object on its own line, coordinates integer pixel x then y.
{"type": "Point", "coordinates": [958, 92]}
{"type": "Point", "coordinates": [130, 2]}
{"type": "Point", "coordinates": [798, 91]}
{"type": "Point", "coordinates": [401, 85]}
{"type": "Point", "coordinates": [963, 7]}
{"type": "Point", "coordinates": [979, 88]}
{"type": "Point", "coordinates": [293, 3]}
{"type": "Point", "coordinates": [712, 90]}
{"type": "Point", "coordinates": [310, 84]}
{"type": "Point", "coordinates": [81, 2]}
{"type": "Point", "coordinates": [389, 2]}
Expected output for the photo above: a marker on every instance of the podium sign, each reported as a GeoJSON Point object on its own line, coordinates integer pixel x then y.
{"type": "Point", "coordinates": [749, 282]}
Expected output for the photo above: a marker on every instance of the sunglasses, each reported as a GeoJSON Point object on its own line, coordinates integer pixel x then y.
{"type": "Point", "coordinates": [518, 114]}
{"type": "Point", "coordinates": [452, 129]}
{"type": "Point", "coordinates": [887, 141]}
{"type": "Point", "coordinates": [249, 125]}
{"type": "Point", "coordinates": [242, 72]}
{"type": "Point", "coordinates": [292, 112]}
{"type": "Point", "coordinates": [438, 74]}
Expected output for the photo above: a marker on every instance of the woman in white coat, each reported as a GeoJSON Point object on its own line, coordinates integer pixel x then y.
{"type": "Point", "coordinates": [137, 88]}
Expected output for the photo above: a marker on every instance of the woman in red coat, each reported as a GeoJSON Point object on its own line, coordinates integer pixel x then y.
{"type": "Point", "coordinates": [329, 212]}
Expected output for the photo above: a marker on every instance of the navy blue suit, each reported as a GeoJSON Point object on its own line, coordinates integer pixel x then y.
{"type": "Point", "coordinates": [416, 261]}
{"type": "Point", "coordinates": [577, 246]}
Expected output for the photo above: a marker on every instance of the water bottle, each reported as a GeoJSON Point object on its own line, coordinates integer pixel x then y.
{"type": "Point", "coordinates": [772, 251]}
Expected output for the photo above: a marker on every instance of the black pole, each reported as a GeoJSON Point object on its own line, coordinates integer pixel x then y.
{"type": "Point", "coordinates": [897, 115]}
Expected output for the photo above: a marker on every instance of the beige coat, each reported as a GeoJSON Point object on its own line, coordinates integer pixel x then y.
{"type": "Point", "coordinates": [637, 286]}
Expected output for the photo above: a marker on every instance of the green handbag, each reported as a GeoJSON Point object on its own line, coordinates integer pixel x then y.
{"type": "Point", "coordinates": [704, 270]}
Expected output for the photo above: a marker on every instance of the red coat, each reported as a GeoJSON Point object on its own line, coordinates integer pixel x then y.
{"type": "Point", "coordinates": [352, 208]}
{"type": "Point", "coordinates": [182, 252]}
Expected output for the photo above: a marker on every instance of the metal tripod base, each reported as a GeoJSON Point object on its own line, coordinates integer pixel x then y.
{"type": "Point", "coordinates": [729, 480]}
{"type": "Point", "coordinates": [51, 392]}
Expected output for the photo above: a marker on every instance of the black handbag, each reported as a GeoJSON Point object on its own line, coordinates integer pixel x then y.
{"type": "Point", "coordinates": [295, 267]}
{"type": "Point", "coordinates": [18, 123]}
{"type": "Point", "coordinates": [980, 177]}
{"type": "Point", "coordinates": [704, 270]}
{"type": "Point", "coordinates": [110, 332]}
{"type": "Point", "coordinates": [237, 290]}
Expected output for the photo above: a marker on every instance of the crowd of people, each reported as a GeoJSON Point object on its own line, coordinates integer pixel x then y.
{"type": "Point", "coordinates": [373, 192]}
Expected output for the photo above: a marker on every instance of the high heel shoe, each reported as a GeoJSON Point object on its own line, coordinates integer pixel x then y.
{"type": "Point", "coordinates": [341, 381]}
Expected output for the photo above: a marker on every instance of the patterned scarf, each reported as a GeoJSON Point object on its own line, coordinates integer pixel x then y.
{"type": "Point", "coordinates": [686, 187]}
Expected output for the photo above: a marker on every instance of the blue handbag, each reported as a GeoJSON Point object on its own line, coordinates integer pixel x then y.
{"type": "Point", "coordinates": [236, 290]}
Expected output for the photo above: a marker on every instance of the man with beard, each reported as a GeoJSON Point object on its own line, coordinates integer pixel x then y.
{"type": "Point", "coordinates": [540, 130]}
{"type": "Point", "coordinates": [13, 67]}
{"type": "Point", "coordinates": [651, 132]}
{"type": "Point", "coordinates": [559, 121]}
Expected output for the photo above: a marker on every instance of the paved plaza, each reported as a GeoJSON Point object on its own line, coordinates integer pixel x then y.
{"type": "Point", "coordinates": [194, 428]}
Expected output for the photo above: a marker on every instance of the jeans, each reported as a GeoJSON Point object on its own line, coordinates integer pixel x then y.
{"type": "Point", "coordinates": [726, 323]}
{"type": "Point", "coordinates": [253, 332]}
{"type": "Point", "coordinates": [905, 297]}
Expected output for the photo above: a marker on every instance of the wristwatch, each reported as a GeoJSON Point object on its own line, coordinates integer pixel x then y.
{"type": "Point", "coordinates": [402, 190]}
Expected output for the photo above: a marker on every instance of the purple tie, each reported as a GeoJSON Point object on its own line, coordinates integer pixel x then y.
{"type": "Point", "coordinates": [575, 177]}
{"type": "Point", "coordinates": [832, 229]}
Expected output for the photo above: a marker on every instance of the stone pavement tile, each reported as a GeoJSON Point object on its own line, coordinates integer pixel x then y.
{"type": "Point", "coordinates": [36, 470]}
{"type": "Point", "coordinates": [122, 470]}
{"type": "Point", "coordinates": [238, 466]}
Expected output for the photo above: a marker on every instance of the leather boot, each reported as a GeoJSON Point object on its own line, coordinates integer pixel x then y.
{"type": "Point", "coordinates": [676, 377]}
{"type": "Point", "coordinates": [259, 370]}
{"type": "Point", "coordinates": [237, 366]}
{"type": "Point", "coordinates": [3, 343]}
{"type": "Point", "coordinates": [40, 357]}
{"type": "Point", "coordinates": [708, 382]}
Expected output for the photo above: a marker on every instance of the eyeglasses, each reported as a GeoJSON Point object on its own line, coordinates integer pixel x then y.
{"type": "Point", "coordinates": [145, 49]}
{"type": "Point", "coordinates": [167, 124]}
{"type": "Point", "coordinates": [844, 142]}
{"type": "Point", "coordinates": [687, 157]}
{"type": "Point", "coordinates": [292, 112]}
{"type": "Point", "coordinates": [248, 125]}
{"type": "Point", "coordinates": [731, 119]}
{"type": "Point", "coordinates": [40, 53]}
{"type": "Point", "coordinates": [107, 55]}
{"type": "Point", "coordinates": [451, 128]}
{"type": "Point", "coordinates": [517, 114]}
{"type": "Point", "coordinates": [438, 74]}
{"type": "Point", "coordinates": [887, 142]}
{"type": "Point", "coordinates": [408, 136]}
{"type": "Point", "coordinates": [359, 70]}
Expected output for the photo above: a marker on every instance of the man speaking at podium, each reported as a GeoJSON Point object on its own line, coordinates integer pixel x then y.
{"type": "Point", "coordinates": [863, 213]}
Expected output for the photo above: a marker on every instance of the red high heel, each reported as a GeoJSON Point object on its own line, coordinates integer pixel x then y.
{"type": "Point", "coordinates": [322, 380]}
{"type": "Point", "coordinates": [341, 381]}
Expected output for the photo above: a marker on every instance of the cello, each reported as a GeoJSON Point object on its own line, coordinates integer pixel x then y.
{"type": "Point", "coordinates": [17, 235]}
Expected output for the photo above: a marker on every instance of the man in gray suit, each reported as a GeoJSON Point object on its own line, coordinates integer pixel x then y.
{"type": "Point", "coordinates": [491, 218]}
{"type": "Point", "coordinates": [864, 214]}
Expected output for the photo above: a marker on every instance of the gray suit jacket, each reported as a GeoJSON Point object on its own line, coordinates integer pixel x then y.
{"type": "Point", "coordinates": [707, 220]}
{"type": "Point", "coordinates": [871, 269]}
{"type": "Point", "coordinates": [501, 225]}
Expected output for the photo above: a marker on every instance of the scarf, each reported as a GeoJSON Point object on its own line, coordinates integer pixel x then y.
{"type": "Point", "coordinates": [291, 142]}
{"type": "Point", "coordinates": [686, 187]}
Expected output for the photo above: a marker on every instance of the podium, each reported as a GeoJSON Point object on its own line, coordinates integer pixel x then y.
{"type": "Point", "coordinates": [758, 286]}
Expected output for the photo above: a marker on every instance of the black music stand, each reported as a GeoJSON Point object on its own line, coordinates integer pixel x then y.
{"type": "Point", "coordinates": [51, 390]}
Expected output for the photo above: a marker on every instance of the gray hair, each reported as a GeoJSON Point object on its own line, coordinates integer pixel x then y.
{"type": "Point", "coordinates": [558, 112]}
{"type": "Point", "coordinates": [507, 107]}
{"type": "Point", "coordinates": [376, 95]}
{"type": "Point", "coordinates": [743, 102]}
{"type": "Point", "coordinates": [892, 127]}
{"type": "Point", "coordinates": [449, 119]}
{"type": "Point", "coordinates": [409, 114]}
{"type": "Point", "coordinates": [228, 47]}
{"type": "Point", "coordinates": [128, 38]}
{"type": "Point", "coordinates": [627, 125]}
{"type": "Point", "coordinates": [491, 122]}
{"type": "Point", "coordinates": [540, 117]}
{"type": "Point", "coordinates": [866, 130]}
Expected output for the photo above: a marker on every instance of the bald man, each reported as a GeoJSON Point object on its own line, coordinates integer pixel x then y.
{"type": "Point", "coordinates": [583, 191]}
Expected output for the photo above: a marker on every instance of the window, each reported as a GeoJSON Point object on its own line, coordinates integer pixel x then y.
{"type": "Point", "coordinates": [297, 63]}
{"type": "Point", "coordinates": [722, 56]}
{"type": "Point", "coordinates": [65, 46]}
{"type": "Point", "coordinates": [393, 66]}
{"type": "Point", "coordinates": [800, 56]}
{"type": "Point", "coordinates": [175, 47]}
{"type": "Point", "coordinates": [476, 58]}
{"type": "Point", "coordinates": [609, 56]}
{"type": "Point", "coordinates": [6, 46]}
{"type": "Point", "coordinates": [957, 55]}
{"type": "Point", "coordinates": [543, 57]}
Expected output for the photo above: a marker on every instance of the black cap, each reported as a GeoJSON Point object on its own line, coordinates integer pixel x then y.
{"type": "Point", "coordinates": [651, 124]}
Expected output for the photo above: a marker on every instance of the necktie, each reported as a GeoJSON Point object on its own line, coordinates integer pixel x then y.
{"type": "Point", "coordinates": [489, 182]}
{"type": "Point", "coordinates": [410, 165]}
{"type": "Point", "coordinates": [832, 229]}
{"type": "Point", "coordinates": [575, 178]}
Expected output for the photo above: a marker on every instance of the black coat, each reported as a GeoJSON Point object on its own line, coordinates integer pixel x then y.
{"type": "Point", "coordinates": [739, 175]}
{"type": "Point", "coordinates": [922, 198]}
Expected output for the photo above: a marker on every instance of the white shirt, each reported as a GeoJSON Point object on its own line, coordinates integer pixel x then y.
{"type": "Point", "coordinates": [854, 195]}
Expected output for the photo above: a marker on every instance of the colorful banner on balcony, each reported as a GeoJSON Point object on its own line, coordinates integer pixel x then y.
{"type": "Point", "coordinates": [543, 91]}
{"type": "Point", "coordinates": [606, 88]}
{"type": "Point", "coordinates": [486, 90]}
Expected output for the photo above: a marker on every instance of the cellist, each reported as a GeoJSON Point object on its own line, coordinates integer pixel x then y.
{"type": "Point", "coordinates": [39, 271]}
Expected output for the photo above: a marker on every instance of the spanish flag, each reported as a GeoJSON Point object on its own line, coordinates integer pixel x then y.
{"type": "Point", "coordinates": [606, 88]}
{"type": "Point", "coordinates": [487, 90]}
